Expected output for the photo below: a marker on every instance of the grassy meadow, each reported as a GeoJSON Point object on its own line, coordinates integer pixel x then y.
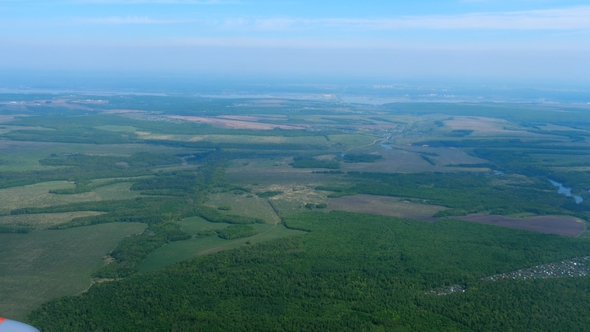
{"type": "Point", "coordinates": [207, 244]}
{"type": "Point", "coordinates": [44, 265]}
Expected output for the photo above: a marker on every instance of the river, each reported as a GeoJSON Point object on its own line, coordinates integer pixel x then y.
{"type": "Point", "coordinates": [566, 191]}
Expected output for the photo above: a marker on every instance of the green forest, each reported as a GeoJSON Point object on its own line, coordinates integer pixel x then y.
{"type": "Point", "coordinates": [351, 272]}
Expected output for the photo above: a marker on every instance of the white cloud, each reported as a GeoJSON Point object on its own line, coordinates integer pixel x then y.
{"type": "Point", "coordinates": [551, 19]}
{"type": "Point", "coordinates": [133, 2]}
{"type": "Point", "coordinates": [126, 20]}
{"type": "Point", "coordinates": [559, 19]}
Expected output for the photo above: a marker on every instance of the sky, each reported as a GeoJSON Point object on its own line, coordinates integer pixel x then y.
{"type": "Point", "coordinates": [505, 42]}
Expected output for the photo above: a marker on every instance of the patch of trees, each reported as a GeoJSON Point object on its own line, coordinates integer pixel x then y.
{"type": "Point", "coordinates": [311, 162]}
{"type": "Point", "coordinates": [361, 158]}
{"type": "Point", "coordinates": [206, 233]}
{"type": "Point", "coordinates": [137, 160]}
{"type": "Point", "coordinates": [460, 132]}
{"type": "Point", "coordinates": [267, 194]}
{"type": "Point", "coordinates": [428, 159]}
{"type": "Point", "coordinates": [237, 232]}
{"type": "Point", "coordinates": [311, 206]}
{"type": "Point", "coordinates": [132, 251]}
{"type": "Point", "coordinates": [214, 215]}
{"type": "Point", "coordinates": [15, 230]}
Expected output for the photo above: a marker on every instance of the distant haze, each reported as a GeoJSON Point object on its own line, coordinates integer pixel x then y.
{"type": "Point", "coordinates": [501, 42]}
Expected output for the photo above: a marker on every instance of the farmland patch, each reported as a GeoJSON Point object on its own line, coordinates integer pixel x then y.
{"type": "Point", "coordinates": [43, 265]}
{"type": "Point", "coordinates": [561, 225]}
{"type": "Point", "coordinates": [43, 220]}
{"type": "Point", "coordinates": [37, 195]}
{"type": "Point", "coordinates": [234, 123]}
{"type": "Point", "coordinates": [245, 205]}
{"type": "Point", "coordinates": [206, 242]}
{"type": "Point", "coordinates": [385, 206]}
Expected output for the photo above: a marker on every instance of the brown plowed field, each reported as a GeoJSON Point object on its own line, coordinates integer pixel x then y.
{"type": "Point", "coordinates": [566, 226]}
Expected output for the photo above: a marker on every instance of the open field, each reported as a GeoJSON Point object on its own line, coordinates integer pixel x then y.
{"type": "Point", "coordinates": [385, 206]}
{"type": "Point", "coordinates": [410, 160]}
{"type": "Point", "coordinates": [395, 161]}
{"type": "Point", "coordinates": [492, 127]}
{"type": "Point", "coordinates": [243, 139]}
{"type": "Point", "coordinates": [271, 173]}
{"type": "Point", "coordinates": [234, 123]}
{"type": "Point", "coordinates": [128, 129]}
{"type": "Point", "coordinates": [183, 250]}
{"type": "Point", "coordinates": [6, 129]}
{"type": "Point", "coordinates": [43, 265]}
{"type": "Point", "coordinates": [242, 204]}
{"type": "Point", "coordinates": [353, 141]}
{"type": "Point", "coordinates": [25, 156]}
{"type": "Point", "coordinates": [43, 220]}
{"type": "Point", "coordinates": [561, 225]}
{"type": "Point", "coordinates": [37, 195]}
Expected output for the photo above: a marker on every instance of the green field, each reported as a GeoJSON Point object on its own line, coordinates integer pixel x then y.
{"type": "Point", "coordinates": [25, 155]}
{"type": "Point", "coordinates": [37, 195]}
{"type": "Point", "coordinates": [43, 265]}
{"type": "Point", "coordinates": [42, 220]}
{"type": "Point", "coordinates": [183, 250]}
{"type": "Point", "coordinates": [245, 204]}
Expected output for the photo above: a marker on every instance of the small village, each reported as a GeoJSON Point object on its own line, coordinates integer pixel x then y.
{"type": "Point", "coordinates": [575, 267]}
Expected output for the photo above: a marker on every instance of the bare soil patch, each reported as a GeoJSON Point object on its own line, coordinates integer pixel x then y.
{"type": "Point", "coordinates": [385, 206]}
{"type": "Point", "coordinates": [561, 225]}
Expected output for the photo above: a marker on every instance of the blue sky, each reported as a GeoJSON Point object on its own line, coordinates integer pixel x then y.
{"type": "Point", "coordinates": [502, 41]}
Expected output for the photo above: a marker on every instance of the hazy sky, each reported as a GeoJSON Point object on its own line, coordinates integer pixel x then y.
{"type": "Point", "coordinates": [507, 41]}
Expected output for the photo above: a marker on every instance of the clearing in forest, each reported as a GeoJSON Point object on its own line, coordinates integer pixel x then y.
{"type": "Point", "coordinates": [43, 265]}
{"type": "Point", "coordinates": [561, 225]}
{"type": "Point", "coordinates": [385, 206]}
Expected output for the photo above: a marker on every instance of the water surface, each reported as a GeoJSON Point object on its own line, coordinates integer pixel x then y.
{"type": "Point", "coordinates": [566, 191]}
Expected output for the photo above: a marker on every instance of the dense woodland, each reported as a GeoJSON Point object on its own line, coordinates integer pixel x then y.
{"type": "Point", "coordinates": [351, 272]}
